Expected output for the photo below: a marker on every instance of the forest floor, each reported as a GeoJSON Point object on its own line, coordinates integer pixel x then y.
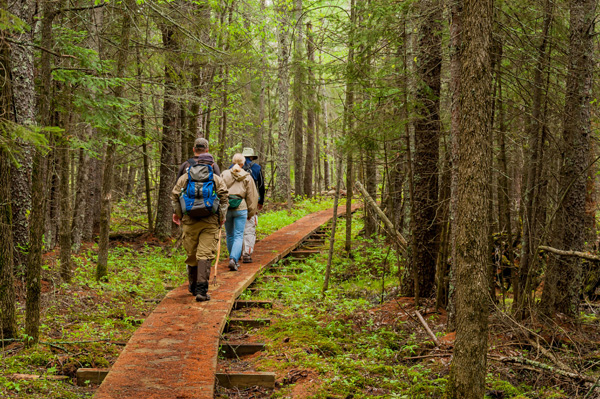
{"type": "Point", "coordinates": [361, 339]}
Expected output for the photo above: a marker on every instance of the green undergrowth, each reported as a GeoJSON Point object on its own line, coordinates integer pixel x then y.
{"type": "Point", "coordinates": [86, 323]}
{"type": "Point", "coordinates": [354, 341]}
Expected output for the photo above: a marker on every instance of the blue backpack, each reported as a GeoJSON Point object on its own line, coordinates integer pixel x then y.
{"type": "Point", "coordinates": [199, 198]}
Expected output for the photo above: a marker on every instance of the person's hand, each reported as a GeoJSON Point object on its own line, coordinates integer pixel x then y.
{"type": "Point", "coordinates": [222, 222]}
{"type": "Point", "coordinates": [176, 219]}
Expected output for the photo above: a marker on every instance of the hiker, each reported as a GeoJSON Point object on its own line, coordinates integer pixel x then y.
{"type": "Point", "coordinates": [243, 205]}
{"type": "Point", "coordinates": [201, 155]}
{"type": "Point", "coordinates": [250, 230]}
{"type": "Point", "coordinates": [199, 201]}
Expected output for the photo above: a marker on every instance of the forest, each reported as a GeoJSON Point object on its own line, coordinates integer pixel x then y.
{"type": "Point", "coordinates": [464, 131]}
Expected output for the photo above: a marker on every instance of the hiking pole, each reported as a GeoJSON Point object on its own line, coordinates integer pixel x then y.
{"type": "Point", "coordinates": [218, 256]}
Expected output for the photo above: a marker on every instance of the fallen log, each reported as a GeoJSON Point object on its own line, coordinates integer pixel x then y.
{"type": "Point", "coordinates": [395, 234]}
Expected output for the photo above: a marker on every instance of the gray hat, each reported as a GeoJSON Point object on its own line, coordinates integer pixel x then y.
{"type": "Point", "coordinates": [201, 143]}
{"type": "Point", "coordinates": [249, 153]}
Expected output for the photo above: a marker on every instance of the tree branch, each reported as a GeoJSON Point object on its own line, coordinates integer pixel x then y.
{"type": "Point", "coordinates": [583, 255]}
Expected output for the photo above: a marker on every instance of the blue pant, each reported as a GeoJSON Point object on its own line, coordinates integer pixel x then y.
{"type": "Point", "coordinates": [234, 225]}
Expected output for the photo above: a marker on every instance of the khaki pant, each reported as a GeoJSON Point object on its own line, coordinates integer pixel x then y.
{"type": "Point", "coordinates": [250, 235]}
{"type": "Point", "coordinates": [200, 239]}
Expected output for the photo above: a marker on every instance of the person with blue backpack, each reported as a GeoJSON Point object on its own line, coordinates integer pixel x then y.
{"type": "Point", "coordinates": [200, 201]}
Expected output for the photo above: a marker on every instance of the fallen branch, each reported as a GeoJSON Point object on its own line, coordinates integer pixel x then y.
{"type": "Point", "coordinates": [402, 243]}
{"type": "Point", "coordinates": [424, 323]}
{"type": "Point", "coordinates": [544, 366]}
{"type": "Point", "coordinates": [583, 255]}
{"type": "Point", "coordinates": [428, 356]}
{"type": "Point", "coordinates": [33, 377]}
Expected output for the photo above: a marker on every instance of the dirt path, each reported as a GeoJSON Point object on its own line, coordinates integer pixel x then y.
{"type": "Point", "coordinates": [173, 355]}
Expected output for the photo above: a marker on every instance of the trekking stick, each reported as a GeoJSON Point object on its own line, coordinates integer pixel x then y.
{"type": "Point", "coordinates": [218, 256]}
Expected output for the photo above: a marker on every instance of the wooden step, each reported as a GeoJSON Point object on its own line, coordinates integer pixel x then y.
{"type": "Point", "coordinates": [246, 323]}
{"type": "Point", "coordinates": [246, 379]}
{"type": "Point", "coordinates": [87, 376]}
{"type": "Point", "coordinates": [256, 290]}
{"type": "Point", "coordinates": [304, 253]}
{"type": "Point", "coordinates": [252, 304]}
{"type": "Point", "coordinates": [235, 350]}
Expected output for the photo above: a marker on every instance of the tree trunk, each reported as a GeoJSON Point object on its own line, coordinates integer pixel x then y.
{"type": "Point", "coordinates": [469, 365]}
{"type": "Point", "coordinates": [168, 173]}
{"type": "Point", "coordinates": [109, 159]}
{"type": "Point", "coordinates": [311, 95]}
{"type": "Point", "coordinates": [533, 222]}
{"type": "Point", "coordinates": [562, 283]}
{"type": "Point", "coordinates": [427, 143]}
{"type": "Point", "coordinates": [298, 98]}
{"type": "Point", "coordinates": [8, 321]}
{"type": "Point", "coordinates": [456, 8]}
{"type": "Point", "coordinates": [65, 207]}
{"type": "Point", "coordinates": [81, 194]}
{"type": "Point", "coordinates": [348, 125]}
{"type": "Point", "coordinates": [282, 188]}
{"type": "Point", "coordinates": [24, 108]}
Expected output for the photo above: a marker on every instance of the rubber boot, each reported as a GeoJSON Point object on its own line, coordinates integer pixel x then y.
{"type": "Point", "coordinates": [203, 276]}
{"type": "Point", "coordinates": [202, 292]}
{"type": "Point", "coordinates": [192, 278]}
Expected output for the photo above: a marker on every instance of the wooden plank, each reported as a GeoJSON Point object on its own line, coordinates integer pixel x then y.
{"type": "Point", "coordinates": [252, 304]}
{"type": "Point", "coordinates": [304, 253]}
{"type": "Point", "coordinates": [256, 290]}
{"type": "Point", "coordinates": [246, 380]}
{"type": "Point", "coordinates": [91, 376]}
{"type": "Point", "coordinates": [246, 323]}
{"type": "Point", "coordinates": [235, 350]}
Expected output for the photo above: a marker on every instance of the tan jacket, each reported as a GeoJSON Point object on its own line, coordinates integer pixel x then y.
{"type": "Point", "coordinates": [240, 182]}
{"type": "Point", "coordinates": [222, 193]}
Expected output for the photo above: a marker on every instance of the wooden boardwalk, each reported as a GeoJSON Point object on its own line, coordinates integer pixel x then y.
{"type": "Point", "coordinates": [173, 355]}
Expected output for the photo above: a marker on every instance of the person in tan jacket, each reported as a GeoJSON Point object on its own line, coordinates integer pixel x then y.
{"type": "Point", "coordinates": [201, 234]}
{"type": "Point", "coordinates": [243, 205]}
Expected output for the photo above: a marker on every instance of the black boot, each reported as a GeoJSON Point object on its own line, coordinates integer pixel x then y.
{"type": "Point", "coordinates": [202, 292]}
{"type": "Point", "coordinates": [192, 278]}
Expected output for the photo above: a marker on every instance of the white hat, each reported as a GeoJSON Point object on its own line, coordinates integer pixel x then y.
{"type": "Point", "coordinates": [249, 153]}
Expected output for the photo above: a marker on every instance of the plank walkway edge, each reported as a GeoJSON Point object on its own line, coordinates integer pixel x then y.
{"type": "Point", "coordinates": [173, 354]}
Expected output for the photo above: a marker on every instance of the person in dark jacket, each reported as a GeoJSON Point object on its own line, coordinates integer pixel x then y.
{"type": "Point", "coordinates": [201, 155]}
{"type": "Point", "coordinates": [250, 230]}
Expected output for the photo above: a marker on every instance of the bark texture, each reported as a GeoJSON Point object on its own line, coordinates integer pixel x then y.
{"type": "Point", "coordinates": [298, 98]}
{"type": "Point", "coordinates": [427, 143]}
{"type": "Point", "coordinates": [24, 108]}
{"type": "Point", "coordinates": [109, 159]}
{"type": "Point", "coordinates": [562, 284]}
{"type": "Point", "coordinates": [8, 321]}
{"type": "Point", "coordinates": [310, 165]}
{"type": "Point", "coordinates": [282, 188]}
{"type": "Point", "coordinates": [469, 366]}
{"type": "Point", "coordinates": [168, 172]}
